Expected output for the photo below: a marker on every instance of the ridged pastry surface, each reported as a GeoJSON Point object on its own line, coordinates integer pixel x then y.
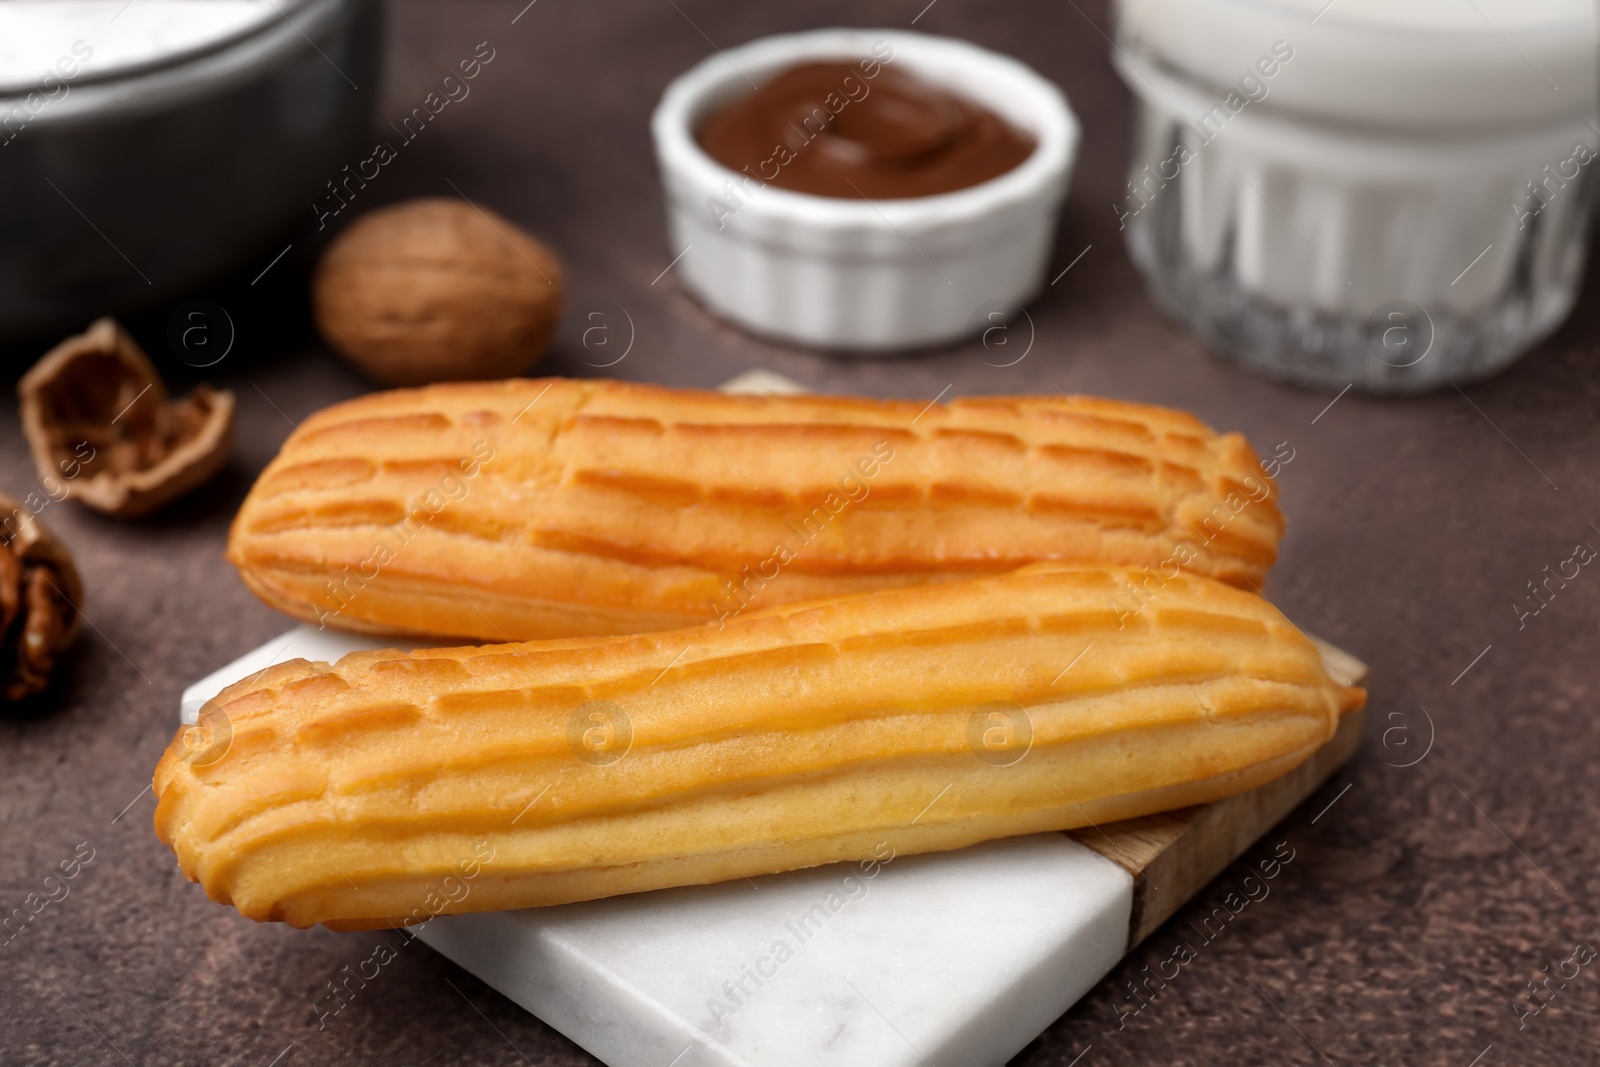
{"type": "Point", "coordinates": [912, 720]}
{"type": "Point", "coordinates": [526, 509]}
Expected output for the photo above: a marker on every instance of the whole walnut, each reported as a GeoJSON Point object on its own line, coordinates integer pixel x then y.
{"type": "Point", "coordinates": [437, 289]}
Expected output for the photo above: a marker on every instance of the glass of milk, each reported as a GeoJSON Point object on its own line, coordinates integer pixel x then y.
{"type": "Point", "coordinates": [1393, 194]}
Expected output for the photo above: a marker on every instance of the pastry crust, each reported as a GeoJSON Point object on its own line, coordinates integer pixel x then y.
{"type": "Point", "coordinates": [357, 795]}
{"type": "Point", "coordinates": [528, 509]}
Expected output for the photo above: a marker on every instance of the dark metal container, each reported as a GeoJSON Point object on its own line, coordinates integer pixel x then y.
{"type": "Point", "coordinates": [132, 182]}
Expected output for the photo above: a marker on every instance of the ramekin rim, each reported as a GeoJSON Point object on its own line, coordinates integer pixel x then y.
{"type": "Point", "coordinates": [677, 150]}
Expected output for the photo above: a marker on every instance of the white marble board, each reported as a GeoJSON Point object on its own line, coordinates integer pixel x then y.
{"type": "Point", "coordinates": [950, 960]}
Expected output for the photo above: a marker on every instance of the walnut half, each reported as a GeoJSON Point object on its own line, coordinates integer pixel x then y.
{"type": "Point", "coordinates": [40, 597]}
{"type": "Point", "coordinates": [97, 417]}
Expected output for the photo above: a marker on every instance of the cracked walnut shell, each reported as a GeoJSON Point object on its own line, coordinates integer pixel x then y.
{"type": "Point", "coordinates": [97, 415]}
{"type": "Point", "coordinates": [40, 597]}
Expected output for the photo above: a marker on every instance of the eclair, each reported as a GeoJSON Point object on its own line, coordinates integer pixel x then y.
{"type": "Point", "coordinates": [525, 509]}
{"type": "Point", "coordinates": [390, 787]}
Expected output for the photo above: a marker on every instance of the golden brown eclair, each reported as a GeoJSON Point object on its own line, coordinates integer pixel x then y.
{"type": "Point", "coordinates": [924, 719]}
{"type": "Point", "coordinates": [524, 509]}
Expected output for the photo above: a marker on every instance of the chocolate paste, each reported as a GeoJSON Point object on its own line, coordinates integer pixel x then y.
{"type": "Point", "coordinates": [862, 129]}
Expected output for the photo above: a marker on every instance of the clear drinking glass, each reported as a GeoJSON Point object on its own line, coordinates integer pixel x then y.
{"type": "Point", "coordinates": [1393, 194]}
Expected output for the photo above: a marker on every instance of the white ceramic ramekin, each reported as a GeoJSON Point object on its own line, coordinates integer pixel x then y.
{"type": "Point", "coordinates": [859, 275]}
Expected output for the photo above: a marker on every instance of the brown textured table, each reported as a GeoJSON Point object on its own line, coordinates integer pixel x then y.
{"type": "Point", "coordinates": [1421, 899]}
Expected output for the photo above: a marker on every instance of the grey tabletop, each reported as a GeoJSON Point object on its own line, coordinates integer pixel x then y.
{"type": "Point", "coordinates": [1451, 863]}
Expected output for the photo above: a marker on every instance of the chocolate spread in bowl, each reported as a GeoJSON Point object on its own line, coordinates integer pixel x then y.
{"type": "Point", "coordinates": [833, 129]}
